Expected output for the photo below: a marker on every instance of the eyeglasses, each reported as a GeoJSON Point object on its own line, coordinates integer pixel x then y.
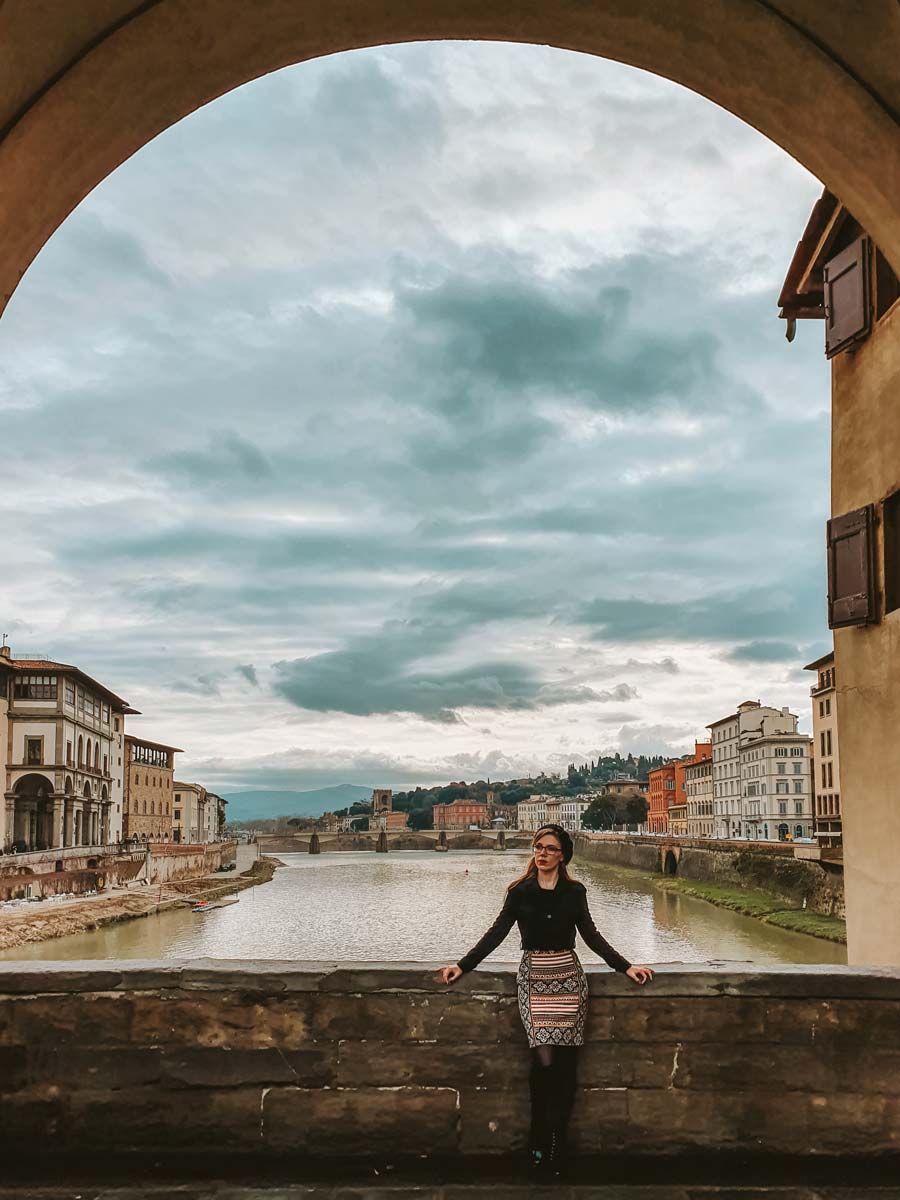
{"type": "Point", "coordinates": [547, 849]}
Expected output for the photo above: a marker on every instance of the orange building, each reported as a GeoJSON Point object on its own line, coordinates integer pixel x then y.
{"type": "Point", "coordinates": [702, 751]}
{"type": "Point", "coordinates": [660, 796]}
{"type": "Point", "coordinates": [461, 814]}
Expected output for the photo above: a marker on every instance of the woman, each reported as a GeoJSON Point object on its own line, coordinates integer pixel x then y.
{"type": "Point", "coordinates": [549, 905]}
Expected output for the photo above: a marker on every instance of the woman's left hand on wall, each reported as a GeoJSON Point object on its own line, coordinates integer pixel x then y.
{"type": "Point", "coordinates": [639, 974]}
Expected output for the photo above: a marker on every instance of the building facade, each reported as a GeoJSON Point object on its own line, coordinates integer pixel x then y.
{"type": "Point", "coordinates": [190, 813]}
{"type": "Point", "coordinates": [827, 771]}
{"type": "Point", "coordinates": [461, 814]}
{"type": "Point", "coordinates": [571, 811]}
{"type": "Point", "coordinates": [698, 787]}
{"type": "Point", "coordinates": [727, 735]}
{"type": "Point", "coordinates": [776, 786]}
{"type": "Point", "coordinates": [660, 796]}
{"type": "Point", "coordinates": [532, 813]}
{"type": "Point", "coordinates": [149, 775]}
{"type": "Point", "coordinates": [61, 757]}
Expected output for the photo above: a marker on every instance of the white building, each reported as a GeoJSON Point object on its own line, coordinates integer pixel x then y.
{"type": "Point", "coordinates": [698, 790]}
{"type": "Point", "coordinates": [191, 814]}
{"type": "Point", "coordinates": [761, 778]}
{"type": "Point", "coordinates": [777, 786]}
{"type": "Point", "coordinates": [727, 735]}
{"type": "Point", "coordinates": [571, 811]}
{"type": "Point", "coordinates": [532, 813]}
{"type": "Point", "coordinates": [61, 756]}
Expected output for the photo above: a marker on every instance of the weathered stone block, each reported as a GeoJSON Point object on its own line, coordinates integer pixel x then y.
{"type": "Point", "coordinates": [643, 1018]}
{"type": "Point", "coordinates": [851, 1123]}
{"type": "Point", "coordinates": [181, 1019]}
{"type": "Point", "coordinates": [95, 1020]}
{"type": "Point", "coordinates": [30, 1123]}
{"type": "Point", "coordinates": [361, 1121]}
{"type": "Point", "coordinates": [409, 1017]}
{"type": "Point", "coordinates": [625, 1064]}
{"type": "Point", "coordinates": [723, 1066]}
{"type": "Point", "coordinates": [144, 1119]}
{"type": "Point", "coordinates": [452, 1064]}
{"type": "Point", "coordinates": [86, 1067]}
{"type": "Point", "coordinates": [238, 1068]}
{"type": "Point", "coordinates": [600, 1120]}
{"type": "Point", "coordinates": [493, 1120]}
{"type": "Point", "coordinates": [13, 1072]}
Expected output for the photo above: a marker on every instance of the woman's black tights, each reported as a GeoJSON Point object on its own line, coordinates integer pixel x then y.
{"type": "Point", "coordinates": [552, 1087]}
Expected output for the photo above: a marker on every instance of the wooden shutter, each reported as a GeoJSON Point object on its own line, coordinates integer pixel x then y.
{"type": "Point", "coordinates": [848, 297]}
{"type": "Point", "coordinates": [851, 575]}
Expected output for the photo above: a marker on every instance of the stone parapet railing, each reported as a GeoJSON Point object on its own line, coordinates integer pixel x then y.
{"type": "Point", "coordinates": [381, 1060]}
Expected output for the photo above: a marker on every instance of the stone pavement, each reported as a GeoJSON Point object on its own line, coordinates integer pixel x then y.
{"type": "Point", "coordinates": [496, 1178]}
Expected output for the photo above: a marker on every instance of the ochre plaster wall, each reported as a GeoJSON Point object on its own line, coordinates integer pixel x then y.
{"type": "Point", "coordinates": [866, 468]}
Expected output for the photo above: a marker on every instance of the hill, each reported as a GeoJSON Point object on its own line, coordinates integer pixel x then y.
{"type": "Point", "coordinates": [248, 806]}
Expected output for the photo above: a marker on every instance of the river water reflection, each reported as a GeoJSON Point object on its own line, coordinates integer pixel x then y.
{"type": "Point", "coordinates": [421, 905]}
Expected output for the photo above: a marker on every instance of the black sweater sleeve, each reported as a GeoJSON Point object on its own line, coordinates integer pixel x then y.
{"type": "Point", "coordinates": [493, 937]}
{"type": "Point", "coordinates": [588, 930]}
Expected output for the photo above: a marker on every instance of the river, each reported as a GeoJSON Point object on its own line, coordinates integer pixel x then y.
{"type": "Point", "coordinates": [425, 906]}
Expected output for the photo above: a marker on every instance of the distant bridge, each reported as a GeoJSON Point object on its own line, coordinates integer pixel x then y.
{"type": "Point", "coordinates": [308, 842]}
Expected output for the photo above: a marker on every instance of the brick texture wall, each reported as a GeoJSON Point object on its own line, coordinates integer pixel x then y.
{"type": "Point", "coordinates": [379, 1060]}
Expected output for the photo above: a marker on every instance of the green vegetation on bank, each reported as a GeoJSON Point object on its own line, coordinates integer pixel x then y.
{"type": "Point", "coordinates": [765, 907]}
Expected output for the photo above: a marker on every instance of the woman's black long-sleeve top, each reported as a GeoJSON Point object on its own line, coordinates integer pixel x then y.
{"type": "Point", "coordinates": [547, 920]}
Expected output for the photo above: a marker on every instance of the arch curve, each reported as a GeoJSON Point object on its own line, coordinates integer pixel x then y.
{"type": "Point", "coordinates": [109, 87]}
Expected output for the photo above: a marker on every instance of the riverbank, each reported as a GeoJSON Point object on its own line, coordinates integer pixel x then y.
{"type": "Point", "coordinates": [762, 906]}
{"type": "Point", "coordinates": [47, 920]}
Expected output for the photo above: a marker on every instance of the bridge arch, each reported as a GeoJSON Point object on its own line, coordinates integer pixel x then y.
{"type": "Point", "coordinates": [97, 85]}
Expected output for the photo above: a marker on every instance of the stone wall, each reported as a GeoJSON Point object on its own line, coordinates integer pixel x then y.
{"type": "Point", "coordinates": [383, 1061]}
{"type": "Point", "coordinates": [773, 869]}
{"type": "Point", "coordinates": [169, 861]}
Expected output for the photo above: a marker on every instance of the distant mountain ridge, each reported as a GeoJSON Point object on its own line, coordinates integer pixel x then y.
{"type": "Point", "coordinates": [262, 804]}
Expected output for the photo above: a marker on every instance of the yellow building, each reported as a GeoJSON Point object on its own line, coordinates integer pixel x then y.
{"type": "Point", "coordinates": [827, 770]}
{"type": "Point", "coordinates": [149, 776]}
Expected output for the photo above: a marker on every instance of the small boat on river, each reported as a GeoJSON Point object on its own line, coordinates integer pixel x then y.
{"type": "Point", "coordinates": [209, 905]}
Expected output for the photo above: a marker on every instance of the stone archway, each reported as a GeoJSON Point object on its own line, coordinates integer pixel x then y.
{"type": "Point", "coordinates": [84, 92]}
{"type": "Point", "coordinates": [32, 818]}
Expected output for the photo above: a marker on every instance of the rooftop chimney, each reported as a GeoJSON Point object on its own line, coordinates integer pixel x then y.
{"type": "Point", "coordinates": [5, 651]}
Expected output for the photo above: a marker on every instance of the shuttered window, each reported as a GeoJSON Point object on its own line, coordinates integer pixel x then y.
{"type": "Point", "coordinates": [891, 525]}
{"type": "Point", "coordinates": [851, 589]}
{"type": "Point", "coordinates": [848, 297]}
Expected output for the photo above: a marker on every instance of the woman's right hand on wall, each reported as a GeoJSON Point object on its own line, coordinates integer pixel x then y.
{"type": "Point", "coordinates": [449, 974]}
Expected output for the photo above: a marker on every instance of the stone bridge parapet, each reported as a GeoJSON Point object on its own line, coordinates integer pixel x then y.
{"type": "Point", "coordinates": [380, 1060]}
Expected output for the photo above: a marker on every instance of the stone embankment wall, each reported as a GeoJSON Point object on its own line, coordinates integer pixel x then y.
{"type": "Point", "coordinates": [168, 861]}
{"type": "Point", "coordinates": [770, 868]}
{"type": "Point", "coordinates": [383, 1061]}
{"type": "Point", "coordinates": [59, 872]}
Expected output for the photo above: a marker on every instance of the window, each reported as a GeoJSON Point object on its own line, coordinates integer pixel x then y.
{"type": "Point", "coordinates": [105, 764]}
{"type": "Point", "coordinates": [34, 687]}
{"type": "Point", "coordinates": [798, 786]}
{"type": "Point", "coordinates": [782, 768]}
{"type": "Point", "coordinates": [105, 712]}
{"type": "Point", "coordinates": [828, 742]}
{"type": "Point", "coordinates": [796, 751]}
{"type": "Point", "coordinates": [828, 707]}
{"type": "Point", "coordinates": [116, 724]}
{"type": "Point", "coordinates": [830, 774]}
{"type": "Point", "coordinates": [68, 754]}
{"type": "Point", "coordinates": [798, 768]}
{"type": "Point", "coordinates": [70, 693]}
{"type": "Point", "coordinates": [177, 814]}
{"type": "Point", "coordinates": [822, 742]}
{"type": "Point", "coordinates": [34, 751]}
{"type": "Point", "coordinates": [781, 751]}
{"type": "Point", "coordinates": [782, 806]}
{"type": "Point", "coordinates": [847, 280]}
{"type": "Point", "coordinates": [798, 807]}
{"type": "Point", "coordinates": [798, 831]}
{"type": "Point", "coordinates": [824, 777]}
{"type": "Point", "coordinates": [781, 788]}
{"type": "Point", "coordinates": [851, 568]}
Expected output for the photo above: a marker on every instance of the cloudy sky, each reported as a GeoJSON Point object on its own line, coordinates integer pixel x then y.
{"type": "Point", "coordinates": [423, 413]}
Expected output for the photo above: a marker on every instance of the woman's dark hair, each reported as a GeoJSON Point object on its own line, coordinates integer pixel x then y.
{"type": "Point", "coordinates": [565, 843]}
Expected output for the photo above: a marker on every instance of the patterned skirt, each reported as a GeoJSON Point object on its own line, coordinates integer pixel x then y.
{"type": "Point", "coordinates": [553, 996]}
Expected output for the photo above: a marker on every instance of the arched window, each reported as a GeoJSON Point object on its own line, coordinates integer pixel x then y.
{"type": "Point", "coordinates": [80, 750]}
{"type": "Point", "coordinates": [88, 758]}
{"type": "Point", "coordinates": [145, 808]}
{"type": "Point", "coordinates": [152, 808]}
{"type": "Point", "coordinates": [798, 831]}
{"type": "Point", "coordinates": [96, 756]}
